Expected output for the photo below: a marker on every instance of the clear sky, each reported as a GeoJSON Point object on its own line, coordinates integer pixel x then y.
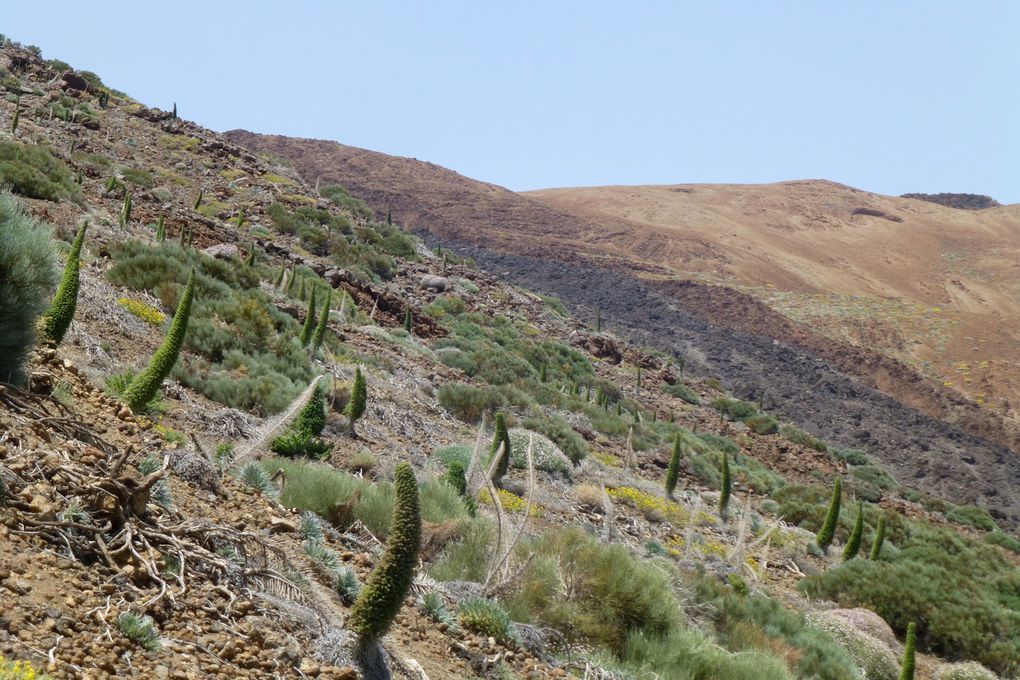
{"type": "Point", "coordinates": [888, 96]}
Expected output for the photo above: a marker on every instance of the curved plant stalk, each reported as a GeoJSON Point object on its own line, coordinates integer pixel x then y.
{"type": "Point", "coordinates": [503, 563]}
{"type": "Point", "coordinates": [268, 428]}
{"type": "Point", "coordinates": [610, 533]}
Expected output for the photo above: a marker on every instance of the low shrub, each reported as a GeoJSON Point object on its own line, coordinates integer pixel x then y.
{"type": "Point", "coordinates": [967, 670]}
{"type": "Point", "coordinates": [681, 391]}
{"type": "Point", "coordinates": [486, 618]}
{"type": "Point", "coordinates": [610, 593]}
{"type": "Point", "coordinates": [757, 622]}
{"type": "Point", "coordinates": [972, 516]}
{"type": "Point", "coordinates": [799, 436]}
{"type": "Point", "coordinates": [32, 170]}
{"type": "Point", "coordinates": [28, 275]}
{"type": "Point", "coordinates": [469, 403]}
{"type": "Point", "coordinates": [964, 594]}
{"type": "Point", "coordinates": [763, 424]}
{"type": "Point", "coordinates": [852, 456]}
{"type": "Point", "coordinates": [145, 312]}
{"type": "Point", "coordinates": [467, 558]}
{"type": "Point", "coordinates": [734, 409]}
{"type": "Point", "coordinates": [545, 454]}
{"type": "Point", "coordinates": [242, 350]}
{"type": "Point", "coordinates": [559, 432]}
{"type": "Point", "coordinates": [876, 660]}
{"type": "Point", "coordinates": [321, 488]}
{"type": "Point", "coordinates": [688, 654]}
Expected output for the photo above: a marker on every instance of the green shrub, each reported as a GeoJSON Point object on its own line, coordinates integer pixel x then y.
{"type": "Point", "coordinates": [964, 595]}
{"type": "Point", "coordinates": [870, 482]}
{"type": "Point", "coordinates": [245, 352]}
{"type": "Point", "coordinates": [972, 516]}
{"type": "Point", "coordinates": [561, 434]}
{"type": "Point", "coordinates": [1001, 538]}
{"type": "Point", "coordinates": [342, 197]}
{"type": "Point", "coordinates": [735, 409]}
{"type": "Point", "coordinates": [467, 558]}
{"type": "Point", "coordinates": [852, 456]}
{"type": "Point", "coordinates": [469, 403]}
{"type": "Point", "coordinates": [486, 618]}
{"type": "Point", "coordinates": [138, 177]}
{"type": "Point", "coordinates": [611, 595]}
{"type": "Point", "coordinates": [681, 391]}
{"type": "Point", "coordinates": [28, 274]}
{"type": "Point", "coordinates": [381, 599]}
{"type": "Point", "coordinates": [687, 654]}
{"type": "Point", "coordinates": [763, 424]}
{"type": "Point", "coordinates": [312, 486]}
{"type": "Point", "coordinates": [58, 317]}
{"type": "Point", "coordinates": [799, 436]}
{"type": "Point", "coordinates": [757, 622]}
{"type": "Point", "coordinates": [33, 171]}
{"type": "Point", "coordinates": [458, 453]}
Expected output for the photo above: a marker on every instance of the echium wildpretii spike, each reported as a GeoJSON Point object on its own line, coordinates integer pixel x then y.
{"type": "Point", "coordinates": [381, 598]}
{"type": "Point", "coordinates": [828, 531]}
{"type": "Point", "coordinates": [727, 487]}
{"type": "Point", "coordinates": [359, 398]}
{"type": "Point", "coordinates": [501, 449]}
{"type": "Point", "coordinates": [145, 386]}
{"type": "Point", "coordinates": [876, 545]}
{"type": "Point", "coordinates": [673, 470]}
{"type": "Point", "coordinates": [853, 544]}
{"type": "Point", "coordinates": [320, 327]}
{"type": "Point", "coordinates": [907, 670]}
{"type": "Point", "coordinates": [309, 327]}
{"type": "Point", "coordinates": [61, 312]}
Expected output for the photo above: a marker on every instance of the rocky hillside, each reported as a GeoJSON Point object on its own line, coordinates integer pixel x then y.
{"type": "Point", "coordinates": [773, 289]}
{"type": "Point", "coordinates": [366, 458]}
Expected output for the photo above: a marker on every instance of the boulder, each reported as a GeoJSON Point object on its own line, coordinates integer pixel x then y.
{"type": "Point", "coordinates": [436, 283]}
{"type": "Point", "coordinates": [222, 251]}
{"type": "Point", "coordinates": [73, 81]}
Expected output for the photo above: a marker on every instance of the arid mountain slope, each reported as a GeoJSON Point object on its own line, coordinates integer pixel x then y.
{"type": "Point", "coordinates": [932, 286]}
{"type": "Point", "coordinates": [808, 250]}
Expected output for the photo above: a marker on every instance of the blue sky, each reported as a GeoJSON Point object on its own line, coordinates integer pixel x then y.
{"type": "Point", "coordinates": [886, 96]}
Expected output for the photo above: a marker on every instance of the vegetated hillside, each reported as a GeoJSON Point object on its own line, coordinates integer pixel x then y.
{"type": "Point", "coordinates": [261, 433]}
{"type": "Point", "coordinates": [865, 293]}
{"type": "Point", "coordinates": [961, 201]}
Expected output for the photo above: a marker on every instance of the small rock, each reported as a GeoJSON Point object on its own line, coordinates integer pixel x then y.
{"type": "Point", "coordinates": [281, 524]}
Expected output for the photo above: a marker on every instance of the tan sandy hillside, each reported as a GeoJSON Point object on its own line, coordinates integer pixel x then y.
{"type": "Point", "coordinates": [920, 281]}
